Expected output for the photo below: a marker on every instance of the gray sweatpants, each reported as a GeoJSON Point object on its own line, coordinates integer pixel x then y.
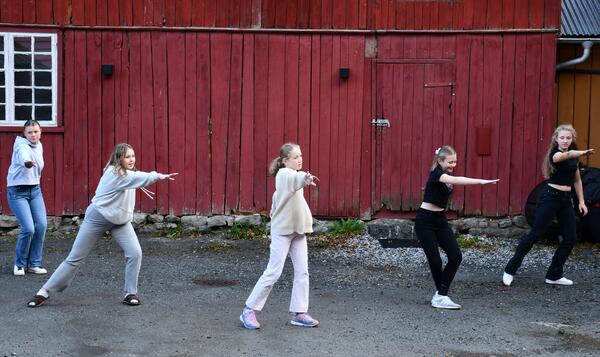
{"type": "Point", "coordinates": [92, 229]}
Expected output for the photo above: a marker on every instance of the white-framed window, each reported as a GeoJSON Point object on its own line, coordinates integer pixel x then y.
{"type": "Point", "coordinates": [28, 77]}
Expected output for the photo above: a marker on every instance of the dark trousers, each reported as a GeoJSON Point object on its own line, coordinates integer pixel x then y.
{"type": "Point", "coordinates": [552, 203]}
{"type": "Point", "coordinates": [433, 231]}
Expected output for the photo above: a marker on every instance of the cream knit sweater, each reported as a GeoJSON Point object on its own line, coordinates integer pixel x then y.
{"type": "Point", "coordinates": [289, 211]}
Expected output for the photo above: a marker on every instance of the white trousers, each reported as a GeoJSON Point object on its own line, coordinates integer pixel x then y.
{"type": "Point", "coordinates": [296, 245]}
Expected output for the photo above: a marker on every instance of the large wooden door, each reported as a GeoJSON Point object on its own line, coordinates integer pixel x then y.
{"type": "Point", "coordinates": [413, 117]}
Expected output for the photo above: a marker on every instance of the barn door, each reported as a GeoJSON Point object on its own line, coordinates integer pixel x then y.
{"type": "Point", "coordinates": [413, 117]}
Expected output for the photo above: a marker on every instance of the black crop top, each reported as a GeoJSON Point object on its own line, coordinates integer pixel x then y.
{"type": "Point", "coordinates": [564, 173]}
{"type": "Point", "coordinates": [437, 192]}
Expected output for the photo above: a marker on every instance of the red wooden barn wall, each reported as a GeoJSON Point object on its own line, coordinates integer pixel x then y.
{"type": "Point", "coordinates": [316, 14]}
{"type": "Point", "coordinates": [216, 106]}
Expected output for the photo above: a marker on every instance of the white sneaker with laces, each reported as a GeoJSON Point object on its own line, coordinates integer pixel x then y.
{"type": "Point", "coordinates": [561, 281]}
{"type": "Point", "coordinates": [18, 271]}
{"type": "Point", "coordinates": [37, 270]}
{"type": "Point", "coordinates": [507, 279]}
{"type": "Point", "coordinates": [444, 302]}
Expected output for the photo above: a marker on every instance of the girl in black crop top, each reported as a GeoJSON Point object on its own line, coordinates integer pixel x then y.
{"type": "Point", "coordinates": [432, 226]}
{"type": "Point", "coordinates": [560, 168]}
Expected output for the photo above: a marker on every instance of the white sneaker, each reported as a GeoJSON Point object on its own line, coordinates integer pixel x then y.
{"type": "Point", "coordinates": [561, 281]}
{"type": "Point", "coordinates": [18, 271]}
{"type": "Point", "coordinates": [444, 302]}
{"type": "Point", "coordinates": [507, 279]}
{"type": "Point", "coordinates": [37, 270]}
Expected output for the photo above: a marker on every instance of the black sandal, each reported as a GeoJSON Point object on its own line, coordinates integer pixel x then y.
{"type": "Point", "coordinates": [131, 300]}
{"type": "Point", "coordinates": [37, 300]}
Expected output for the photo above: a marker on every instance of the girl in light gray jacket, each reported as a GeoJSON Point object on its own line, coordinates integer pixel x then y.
{"type": "Point", "coordinates": [111, 210]}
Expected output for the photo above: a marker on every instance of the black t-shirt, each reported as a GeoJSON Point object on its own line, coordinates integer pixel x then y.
{"type": "Point", "coordinates": [564, 173]}
{"type": "Point", "coordinates": [437, 192]}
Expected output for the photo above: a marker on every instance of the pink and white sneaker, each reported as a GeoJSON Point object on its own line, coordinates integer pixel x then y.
{"type": "Point", "coordinates": [248, 318]}
{"type": "Point", "coordinates": [305, 320]}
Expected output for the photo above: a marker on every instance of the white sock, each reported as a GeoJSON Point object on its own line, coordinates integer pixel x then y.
{"type": "Point", "coordinates": [43, 293]}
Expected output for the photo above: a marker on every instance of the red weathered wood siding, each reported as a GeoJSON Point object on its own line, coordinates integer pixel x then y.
{"type": "Point", "coordinates": [302, 14]}
{"type": "Point", "coordinates": [215, 106]}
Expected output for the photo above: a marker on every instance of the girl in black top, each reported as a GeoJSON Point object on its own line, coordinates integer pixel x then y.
{"type": "Point", "coordinates": [432, 226]}
{"type": "Point", "coordinates": [560, 168]}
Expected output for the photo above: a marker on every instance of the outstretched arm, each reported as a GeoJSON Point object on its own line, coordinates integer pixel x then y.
{"type": "Point", "coordinates": [571, 154]}
{"type": "Point", "coordinates": [459, 180]}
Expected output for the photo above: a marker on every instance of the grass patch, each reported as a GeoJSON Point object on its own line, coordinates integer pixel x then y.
{"type": "Point", "coordinates": [245, 231]}
{"type": "Point", "coordinates": [337, 235]}
{"type": "Point", "coordinates": [173, 232]}
{"type": "Point", "coordinates": [468, 241]}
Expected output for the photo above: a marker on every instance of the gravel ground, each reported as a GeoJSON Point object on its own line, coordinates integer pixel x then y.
{"type": "Point", "coordinates": [371, 301]}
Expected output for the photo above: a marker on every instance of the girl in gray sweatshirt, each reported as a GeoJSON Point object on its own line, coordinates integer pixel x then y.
{"type": "Point", "coordinates": [111, 210]}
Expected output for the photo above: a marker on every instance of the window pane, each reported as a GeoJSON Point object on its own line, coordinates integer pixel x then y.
{"type": "Point", "coordinates": [2, 95]}
{"type": "Point", "coordinates": [43, 62]}
{"type": "Point", "coordinates": [2, 112]}
{"type": "Point", "coordinates": [43, 79]}
{"type": "Point", "coordinates": [22, 95]}
{"type": "Point", "coordinates": [42, 44]}
{"type": "Point", "coordinates": [1, 61]}
{"type": "Point", "coordinates": [23, 112]}
{"type": "Point", "coordinates": [43, 112]}
{"type": "Point", "coordinates": [1, 43]}
{"type": "Point", "coordinates": [2, 78]}
{"type": "Point", "coordinates": [23, 44]}
{"type": "Point", "coordinates": [22, 61]}
{"type": "Point", "coordinates": [43, 96]}
{"type": "Point", "coordinates": [22, 78]}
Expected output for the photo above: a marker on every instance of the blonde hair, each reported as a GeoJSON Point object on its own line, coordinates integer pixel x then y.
{"type": "Point", "coordinates": [547, 168]}
{"type": "Point", "coordinates": [441, 154]}
{"type": "Point", "coordinates": [284, 153]}
{"type": "Point", "coordinates": [116, 157]}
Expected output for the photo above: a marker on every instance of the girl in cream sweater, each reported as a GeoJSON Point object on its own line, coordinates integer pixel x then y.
{"type": "Point", "coordinates": [290, 221]}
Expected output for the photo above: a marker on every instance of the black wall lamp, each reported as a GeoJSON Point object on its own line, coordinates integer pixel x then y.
{"type": "Point", "coordinates": [344, 73]}
{"type": "Point", "coordinates": [107, 70]}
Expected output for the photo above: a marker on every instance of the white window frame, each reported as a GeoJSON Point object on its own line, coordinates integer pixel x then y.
{"type": "Point", "coordinates": [9, 71]}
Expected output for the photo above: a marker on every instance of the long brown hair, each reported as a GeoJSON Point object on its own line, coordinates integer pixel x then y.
{"type": "Point", "coordinates": [547, 168]}
{"type": "Point", "coordinates": [284, 153]}
{"type": "Point", "coordinates": [116, 157]}
{"type": "Point", "coordinates": [441, 154]}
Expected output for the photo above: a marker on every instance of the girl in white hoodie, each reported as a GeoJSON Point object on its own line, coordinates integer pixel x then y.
{"type": "Point", "coordinates": [111, 210]}
{"type": "Point", "coordinates": [290, 221]}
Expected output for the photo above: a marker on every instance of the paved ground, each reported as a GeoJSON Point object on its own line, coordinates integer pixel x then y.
{"type": "Point", "coordinates": [193, 291]}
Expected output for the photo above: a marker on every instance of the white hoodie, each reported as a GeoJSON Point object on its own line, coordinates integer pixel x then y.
{"type": "Point", "coordinates": [289, 211]}
{"type": "Point", "coordinates": [24, 150]}
{"type": "Point", "coordinates": [115, 195]}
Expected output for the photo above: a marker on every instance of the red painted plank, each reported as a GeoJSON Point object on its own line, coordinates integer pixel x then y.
{"type": "Point", "coordinates": [340, 9]}
{"type": "Point", "coordinates": [59, 9]}
{"type": "Point", "coordinates": [547, 89]}
{"type": "Point", "coordinates": [517, 164]}
{"type": "Point", "coordinates": [552, 14]}
{"type": "Point", "coordinates": [303, 14]}
{"type": "Point", "coordinates": [290, 117]}
{"type": "Point", "coordinates": [418, 19]}
{"type": "Point", "coordinates": [400, 123]}
{"type": "Point", "coordinates": [245, 13]}
{"type": "Point", "coordinates": [170, 12]}
{"type": "Point", "coordinates": [234, 14]}
{"type": "Point", "coordinates": [125, 13]}
{"type": "Point", "coordinates": [426, 17]}
{"type": "Point", "coordinates": [232, 188]}
{"type": "Point", "coordinates": [138, 14]}
{"type": "Point", "coordinates": [327, 14]}
{"type": "Point", "coordinates": [494, 14]}
{"type": "Point", "coordinates": [261, 155]}
{"type": "Point", "coordinates": [457, 15]}
{"type": "Point", "coordinates": [506, 123]}
{"type": "Point", "coordinates": [135, 123]}
{"type": "Point", "coordinates": [176, 74]}
{"type": "Point", "coordinates": [366, 148]}
{"type": "Point", "coordinates": [531, 169]}
{"type": "Point", "coordinates": [445, 15]}
{"type": "Point", "coordinates": [94, 107]}
{"type": "Point", "coordinates": [161, 147]}
{"type": "Point", "coordinates": [78, 13]}
{"type": "Point", "coordinates": [203, 181]}
{"type": "Point", "coordinates": [107, 137]}
{"type": "Point", "coordinates": [90, 12]}
{"type": "Point", "coordinates": [362, 14]}
{"type": "Point", "coordinates": [220, 64]}
{"type": "Point", "coordinates": [400, 21]}
{"type": "Point", "coordinates": [51, 170]}
{"type": "Point", "coordinates": [508, 14]}
{"type": "Point", "coordinates": [102, 12]}
{"type": "Point", "coordinates": [146, 152]}
{"type": "Point", "coordinates": [223, 14]}
{"type": "Point", "coordinates": [315, 108]}
{"type": "Point", "coordinates": [423, 46]}
{"type": "Point", "coordinates": [159, 12]}
{"type": "Point", "coordinates": [247, 134]}
{"type": "Point", "coordinates": [304, 107]}
{"type": "Point", "coordinates": [468, 15]}
{"type": "Point", "coordinates": [210, 13]}
{"type": "Point", "coordinates": [29, 12]}
{"type": "Point", "coordinates": [492, 77]}
{"type": "Point", "coordinates": [280, 15]}
{"type": "Point", "coordinates": [410, 16]}
{"type": "Point", "coordinates": [355, 94]}
{"type": "Point", "coordinates": [420, 164]}
{"type": "Point", "coordinates": [276, 94]}
{"type": "Point", "coordinates": [352, 14]}
{"type": "Point", "coordinates": [345, 144]}
{"type": "Point", "coordinates": [113, 13]}
{"type": "Point", "coordinates": [188, 177]}
{"type": "Point", "coordinates": [536, 14]}
{"type": "Point", "coordinates": [336, 141]}
{"type": "Point", "coordinates": [198, 17]}
{"type": "Point", "coordinates": [385, 13]}
{"type": "Point", "coordinates": [58, 175]}
{"type": "Point", "coordinates": [80, 130]}
{"type": "Point", "coordinates": [480, 14]}
{"type": "Point", "coordinates": [521, 14]}
{"type": "Point", "coordinates": [431, 125]}
{"type": "Point", "coordinates": [434, 15]}
{"type": "Point", "coordinates": [121, 87]}
{"type": "Point", "coordinates": [323, 135]}
{"type": "Point", "coordinates": [268, 13]}
{"type": "Point", "coordinates": [183, 13]}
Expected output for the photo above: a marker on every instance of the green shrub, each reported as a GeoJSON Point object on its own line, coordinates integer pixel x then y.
{"type": "Point", "coordinates": [173, 232]}
{"type": "Point", "coordinates": [337, 235]}
{"type": "Point", "coordinates": [248, 232]}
